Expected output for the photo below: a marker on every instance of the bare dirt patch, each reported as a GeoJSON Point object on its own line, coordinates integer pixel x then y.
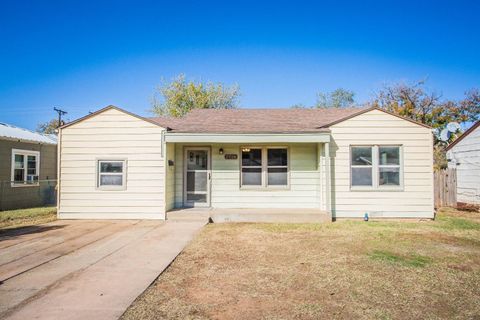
{"type": "Point", "coordinates": [343, 270]}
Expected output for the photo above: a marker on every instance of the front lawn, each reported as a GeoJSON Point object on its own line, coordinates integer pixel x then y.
{"type": "Point", "coordinates": [30, 216]}
{"type": "Point", "coordinates": [342, 270]}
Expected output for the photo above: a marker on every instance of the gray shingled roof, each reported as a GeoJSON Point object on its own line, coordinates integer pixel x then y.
{"type": "Point", "coordinates": [256, 120]}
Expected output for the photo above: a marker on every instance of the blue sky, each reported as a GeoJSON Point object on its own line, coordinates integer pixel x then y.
{"type": "Point", "coordinates": [84, 55]}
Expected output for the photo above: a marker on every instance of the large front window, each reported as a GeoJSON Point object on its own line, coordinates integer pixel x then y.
{"type": "Point", "coordinates": [25, 167]}
{"type": "Point", "coordinates": [375, 167]}
{"type": "Point", "coordinates": [264, 167]}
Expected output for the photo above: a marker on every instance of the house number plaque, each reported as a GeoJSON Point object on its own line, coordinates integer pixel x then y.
{"type": "Point", "coordinates": [231, 156]}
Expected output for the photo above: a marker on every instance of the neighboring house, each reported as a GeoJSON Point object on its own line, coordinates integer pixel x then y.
{"type": "Point", "coordinates": [27, 160]}
{"type": "Point", "coordinates": [464, 155]}
{"type": "Point", "coordinates": [346, 162]}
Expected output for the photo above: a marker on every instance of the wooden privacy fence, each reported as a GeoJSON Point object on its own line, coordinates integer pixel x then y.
{"type": "Point", "coordinates": [445, 183]}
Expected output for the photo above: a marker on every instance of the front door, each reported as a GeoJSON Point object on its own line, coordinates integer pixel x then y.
{"type": "Point", "coordinates": [196, 189]}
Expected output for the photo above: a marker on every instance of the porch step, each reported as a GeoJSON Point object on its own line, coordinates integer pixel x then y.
{"type": "Point", "coordinates": [269, 218]}
{"type": "Point", "coordinates": [218, 215]}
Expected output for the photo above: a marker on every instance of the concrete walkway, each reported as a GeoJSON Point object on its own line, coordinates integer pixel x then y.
{"type": "Point", "coordinates": [85, 269]}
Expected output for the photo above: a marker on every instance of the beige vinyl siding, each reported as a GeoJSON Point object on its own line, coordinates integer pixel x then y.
{"type": "Point", "coordinates": [379, 128]}
{"type": "Point", "coordinates": [170, 177]}
{"type": "Point", "coordinates": [304, 190]}
{"type": "Point", "coordinates": [112, 135]}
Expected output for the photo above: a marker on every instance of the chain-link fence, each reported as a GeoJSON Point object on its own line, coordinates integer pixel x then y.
{"type": "Point", "coordinates": [19, 195]}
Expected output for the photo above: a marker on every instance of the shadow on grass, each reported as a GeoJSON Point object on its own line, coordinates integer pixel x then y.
{"type": "Point", "coordinates": [16, 232]}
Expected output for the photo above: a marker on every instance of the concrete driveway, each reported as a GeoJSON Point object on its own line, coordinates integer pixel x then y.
{"type": "Point", "coordinates": [85, 269]}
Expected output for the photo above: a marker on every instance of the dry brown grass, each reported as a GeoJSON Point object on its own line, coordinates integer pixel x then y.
{"type": "Point", "coordinates": [343, 270]}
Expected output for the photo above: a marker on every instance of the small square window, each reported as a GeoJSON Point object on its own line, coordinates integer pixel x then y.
{"type": "Point", "coordinates": [111, 174]}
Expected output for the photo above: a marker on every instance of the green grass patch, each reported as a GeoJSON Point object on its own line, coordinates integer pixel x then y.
{"type": "Point", "coordinates": [12, 218]}
{"type": "Point", "coordinates": [413, 260]}
{"type": "Point", "coordinates": [454, 223]}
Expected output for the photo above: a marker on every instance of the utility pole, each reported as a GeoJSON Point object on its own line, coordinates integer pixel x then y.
{"type": "Point", "coordinates": [60, 114]}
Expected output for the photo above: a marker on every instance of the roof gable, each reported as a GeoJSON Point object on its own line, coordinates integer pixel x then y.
{"type": "Point", "coordinates": [110, 107]}
{"type": "Point", "coordinates": [464, 135]}
{"type": "Point", "coordinates": [363, 111]}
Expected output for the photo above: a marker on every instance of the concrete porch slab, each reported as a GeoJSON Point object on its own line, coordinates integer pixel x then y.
{"type": "Point", "coordinates": [268, 215]}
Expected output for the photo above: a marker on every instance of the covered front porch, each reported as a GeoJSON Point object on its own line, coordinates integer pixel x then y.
{"type": "Point", "coordinates": [248, 177]}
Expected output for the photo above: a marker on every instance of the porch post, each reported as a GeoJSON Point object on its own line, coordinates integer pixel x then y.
{"type": "Point", "coordinates": [328, 181]}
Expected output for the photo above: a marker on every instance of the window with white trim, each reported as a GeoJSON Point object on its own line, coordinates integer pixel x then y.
{"type": "Point", "coordinates": [277, 167]}
{"type": "Point", "coordinates": [252, 167]}
{"type": "Point", "coordinates": [388, 166]}
{"type": "Point", "coordinates": [25, 167]}
{"type": "Point", "coordinates": [264, 167]}
{"type": "Point", "coordinates": [111, 174]}
{"type": "Point", "coordinates": [376, 167]}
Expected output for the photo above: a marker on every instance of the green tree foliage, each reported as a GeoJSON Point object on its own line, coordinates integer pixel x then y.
{"type": "Point", "coordinates": [178, 97]}
{"type": "Point", "coordinates": [339, 98]}
{"type": "Point", "coordinates": [49, 127]}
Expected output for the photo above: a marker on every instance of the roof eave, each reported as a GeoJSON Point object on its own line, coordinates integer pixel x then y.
{"type": "Point", "coordinates": [247, 138]}
{"type": "Point", "coordinates": [326, 130]}
{"type": "Point", "coordinates": [27, 140]}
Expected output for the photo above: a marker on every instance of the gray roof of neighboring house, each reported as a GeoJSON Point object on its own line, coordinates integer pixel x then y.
{"type": "Point", "coordinates": [10, 132]}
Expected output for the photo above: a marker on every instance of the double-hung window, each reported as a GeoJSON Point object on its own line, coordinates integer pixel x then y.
{"type": "Point", "coordinates": [376, 167]}
{"type": "Point", "coordinates": [25, 167]}
{"type": "Point", "coordinates": [389, 166]}
{"type": "Point", "coordinates": [252, 167]}
{"type": "Point", "coordinates": [111, 174]}
{"type": "Point", "coordinates": [264, 167]}
{"type": "Point", "coordinates": [277, 167]}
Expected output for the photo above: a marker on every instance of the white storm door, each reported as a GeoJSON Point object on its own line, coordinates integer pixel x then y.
{"type": "Point", "coordinates": [197, 177]}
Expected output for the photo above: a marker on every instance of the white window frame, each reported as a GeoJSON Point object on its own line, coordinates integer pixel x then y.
{"type": "Point", "coordinates": [375, 167]}
{"type": "Point", "coordinates": [123, 174]}
{"type": "Point", "coordinates": [25, 154]}
{"type": "Point", "coordinates": [264, 172]}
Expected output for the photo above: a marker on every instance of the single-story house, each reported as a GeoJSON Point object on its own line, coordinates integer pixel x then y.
{"type": "Point", "coordinates": [28, 168]}
{"type": "Point", "coordinates": [344, 162]}
{"type": "Point", "coordinates": [464, 155]}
